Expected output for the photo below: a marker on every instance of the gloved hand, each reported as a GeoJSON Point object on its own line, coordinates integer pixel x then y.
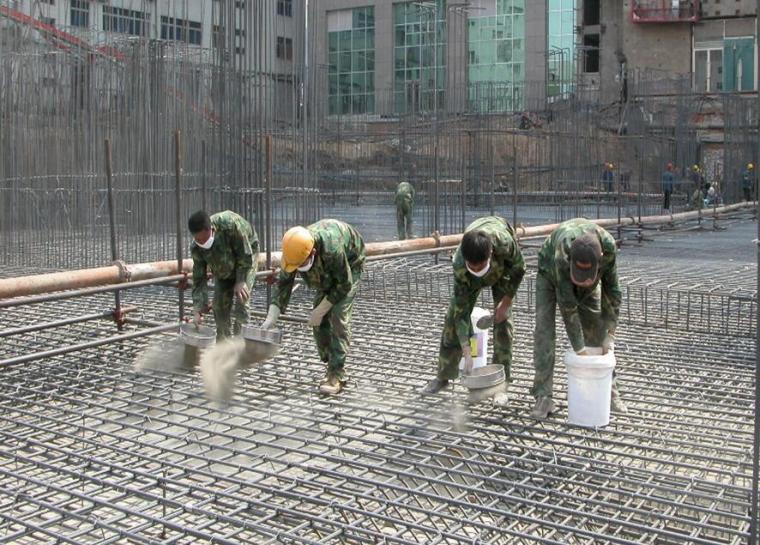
{"type": "Point", "coordinates": [318, 314]}
{"type": "Point", "coordinates": [272, 316]}
{"type": "Point", "coordinates": [608, 344]}
{"type": "Point", "coordinates": [468, 361]}
{"type": "Point", "coordinates": [241, 291]}
{"type": "Point", "coordinates": [582, 352]}
{"type": "Point", "coordinates": [197, 317]}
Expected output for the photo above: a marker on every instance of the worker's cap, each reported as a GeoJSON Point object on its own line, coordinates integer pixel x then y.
{"type": "Point", "coordinates": [750, 166]}
{"type": "Point", "coordinates": [585, 253]}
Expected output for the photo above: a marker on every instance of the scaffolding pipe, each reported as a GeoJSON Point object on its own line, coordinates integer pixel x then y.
{"type": "Point", "coordinates": [64, 322]}
{"type": "Point", "coordinates": [113, 274]}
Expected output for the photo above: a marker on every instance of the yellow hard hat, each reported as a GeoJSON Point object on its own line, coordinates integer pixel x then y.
{"type": "Point", "coordinates": [696, 168]}
{"type": "Point", "coordinates": [297, 244]}
{"type": "Point", "coordinates": [610, 165]}
{"type": "Point", "coordinates": [750, 166]}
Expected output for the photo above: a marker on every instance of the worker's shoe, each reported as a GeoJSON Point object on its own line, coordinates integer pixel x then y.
{"type": "Point", "coordinates": [501, 399]}
{"type": "Point", "coordinates": [434, 386]}
{"type": "Point", "coordinates": [617, 405]}
{"type": "Point", "coordinates": [544, 407]}
{"type": "Point", "coordinates": [331, 386]}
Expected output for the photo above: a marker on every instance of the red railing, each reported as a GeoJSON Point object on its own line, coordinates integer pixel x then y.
{"type": "Point", "coordinates": [664, 11]}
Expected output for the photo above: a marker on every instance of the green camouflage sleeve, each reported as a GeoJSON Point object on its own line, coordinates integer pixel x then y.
{"type": "Point", "coordinates": [460, 308]}
{"type": "Point", "coordinates": [509, 284]}
{"type": "Point", "coordinates": [245, 253]}
{"type": "Point", "coordinates": [282, 290]}
{"type": "Point", "coordinates": [337, 266]}
{"type": "Point", "coordinates": [612, 296]}
{"type": "Point", "coordinates": [568, 304]}
{"type": "Point", "coordinates": [200, 281]}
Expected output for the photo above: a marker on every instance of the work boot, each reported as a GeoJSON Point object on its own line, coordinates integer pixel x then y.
{"type": "Point", "coordinates": [544, 407]}
{"type": "Point", "coordinates": [617, 405]}
{"type": "Point", "coordinates": [434, 386]}
{"type": "Point", "coordinates": [501, 400]}
{"type": "Point", "coordinates": [331, 386]}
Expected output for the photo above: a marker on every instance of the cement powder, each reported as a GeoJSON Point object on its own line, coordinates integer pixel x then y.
{"type": "Point", "coordinates": [219, 365]}
{"type": "Point", "coordinates": [163, 356]}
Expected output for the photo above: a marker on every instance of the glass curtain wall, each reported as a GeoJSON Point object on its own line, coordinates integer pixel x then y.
{"type": "Point", "coordinates": [419, 55]}
{"type": "Point", "coordinates": [351, 59]}
{"type": "Point", "coordinates": [496, 63]}
{"type": "Point", "coordinates": [561, 63]}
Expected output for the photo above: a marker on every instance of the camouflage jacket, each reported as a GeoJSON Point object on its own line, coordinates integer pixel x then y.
{"type": "Point", "coordinates": [554, 264]}
{"type": "Point", "coordinates": [404, 194]}
{"type": "Point", "coordinates": [748, 179]}
{"type": "Point", "coordinates": [506, 272]}
{"type": "Point", "coordinates": [231, 257]}
{"type": "Point", "coordinates": [340, 255]}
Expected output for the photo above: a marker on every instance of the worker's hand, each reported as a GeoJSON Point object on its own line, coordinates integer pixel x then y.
{"type": "Point", "coordinates": [241, 291]}
{"type": "Point", "coordinates": [502, 310]}
{"type": "Point", "coordinates": [608, 344]}
{"type": "Point", "coordinates": [582, 352]}
{"type": "Point", "coordinates": [197, 317]}
{"type": "Point", "coordinates": [319, 312]}
{"type": "Point", "coordinates": [272, 316]}
{"type": "Point", "coordinates": [468, 361]}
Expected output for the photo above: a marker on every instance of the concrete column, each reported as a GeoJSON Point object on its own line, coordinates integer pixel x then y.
{"type": "Point", "coordinates": [536, 25]}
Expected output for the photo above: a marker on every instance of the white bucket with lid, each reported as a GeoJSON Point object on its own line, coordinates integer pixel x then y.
{"type": "Point", "coordinates": [589, 387]}
{"type": "Point", "coordinates": [478, 341]}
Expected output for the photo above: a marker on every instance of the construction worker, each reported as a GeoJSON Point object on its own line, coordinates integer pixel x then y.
{"type": "Point", "coordinates": [608, 177]}
{"type": "Point", "coordinates": [329, 256]}
{"type": "Point", "coordinates": [748, 182]}
{"type": "Point", "coordinates": [577, 272]}
{"type": "Point", "coordinates": [668, 180]}
{"type": "Point", "coordinates": [404, 209]}
{"type": "Point", "coordinates": [488, 256]}
{"type": "Point", "coordinates": [697, 182]}
{"type": "Point", "coordinates": [226, 244]}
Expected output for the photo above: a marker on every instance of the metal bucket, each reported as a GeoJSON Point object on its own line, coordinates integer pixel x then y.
{"type": "Point", "coordinates": [260, 344]}
{"type": "Point", "coordinates": [195, 338]}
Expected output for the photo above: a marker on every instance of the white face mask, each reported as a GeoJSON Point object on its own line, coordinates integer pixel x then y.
{"type": "Point", "coordinates": [305, 267]}
{"type": "Point", "coordinates": [207, 245]}
{"type": "Point", "coordinates": [482, 272]}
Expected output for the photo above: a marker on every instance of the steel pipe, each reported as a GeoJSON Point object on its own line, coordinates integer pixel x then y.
{"type": "Point", "coordinates": [64, 322]}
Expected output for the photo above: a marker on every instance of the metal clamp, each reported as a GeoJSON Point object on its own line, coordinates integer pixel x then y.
{"type": "Point", "coordinates": [125, 275]}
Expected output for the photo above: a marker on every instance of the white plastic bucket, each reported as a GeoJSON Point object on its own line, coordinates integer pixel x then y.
{"type": "Point", "coordinates": [478, 341]}
{"type": "Point", "coordinates": [589, 387]}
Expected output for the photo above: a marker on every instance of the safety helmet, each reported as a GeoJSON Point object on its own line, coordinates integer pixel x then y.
{"type": "Point", "coordinates": [750, 166]}
{"type": "Point", "coordinates": [695, 168]}
{"type": "Point", "coordinates": [297, 244]}
{"type": "Point", "coordinates": [610, 166]}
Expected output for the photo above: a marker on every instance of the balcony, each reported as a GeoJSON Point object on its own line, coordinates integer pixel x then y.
{"type": "Point", "coordinates": [664, 11]}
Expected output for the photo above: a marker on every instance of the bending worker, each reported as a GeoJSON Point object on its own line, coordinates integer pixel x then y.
{"type": "Point", "coordinates": [404, 209]}
{"type": "Point", "coordinates": [329, 256]}
{"type": "Point", "coordinates": [577, 271]}
{"type": "Point", "coordinates": [226, 244]}
{"type": "Point", "coordinates": [488, 256]}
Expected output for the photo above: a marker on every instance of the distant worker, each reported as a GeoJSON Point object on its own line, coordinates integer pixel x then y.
{"type": "Point", "coordinates": [404, 209]}
{"type": "Point", "coordinates": [608, 177]}
{"type": "Point", "coordinates": [578, 273]}
{"type": "Point", "coordinates": [329, 256]}
{"type": "Point", "coordinates": [488, 256]}
{"type": "Point", "coordinates": [227, 245]}
{"type": "Point", "coordinates": [668, 181]}
{"type": "Point", "coordinates": [748, 182]}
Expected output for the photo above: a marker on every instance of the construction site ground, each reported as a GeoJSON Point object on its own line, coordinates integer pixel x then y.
{"type": "Point", "coordinates": [92, 452]}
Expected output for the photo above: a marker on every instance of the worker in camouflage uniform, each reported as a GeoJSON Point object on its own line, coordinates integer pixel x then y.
{"type": "Point", "coordinates": [329, 255]}
{"type": "Point", "coordinates": [577, 272]}
{"type": "Point", "coordinates": [748, 182]}
{"type": "Point", "coordinates": [404, 209]}
{"type": "Point", "coordinates": [226, 244]}
{"type": "Point", "coordinates": [488, 256]}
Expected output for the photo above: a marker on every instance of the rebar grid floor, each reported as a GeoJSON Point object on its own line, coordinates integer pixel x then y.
{"type": "Point", "coordinates": [93, 452]}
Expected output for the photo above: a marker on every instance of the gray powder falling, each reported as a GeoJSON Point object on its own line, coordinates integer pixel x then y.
{"type": "Point", "coordinates": [162, 356]}
{"type": "Point", "coordinates": [219, 366]}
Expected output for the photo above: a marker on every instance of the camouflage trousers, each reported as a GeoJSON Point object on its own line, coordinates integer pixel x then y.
{"type": "Point", "coordinates": [404, 221]}
{"type": "Point", "coordinates": [227, 307]}
{"type": "Point", "coordinates": [451, 350]}
{"type": "Point", "coordinates": [591, 311]}
{"type": "Point", "coordinates": [333, 335]}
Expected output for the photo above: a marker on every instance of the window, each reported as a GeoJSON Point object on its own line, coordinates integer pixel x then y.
{"type": "Point", "coordinates": [125, 21]}
{"type": "Point", "coordinates": [284, 48]}
{"type": "Point", "coordinates": [217, 37]}
{"type": "Point", "coordinates": [48, 20]}
{"type": "Point", "coordinates": [351, 61]}
{"type": "Point", "coordinates": [285, 7]}
{"type": "Point", "coordinates": [80, 13]}
{"type": "Point", "coordinates": [591, 53]}
{"type": "Point", "coordinates": [181, 30]}
{"type": "Point", "coordinates": [708, 70]}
